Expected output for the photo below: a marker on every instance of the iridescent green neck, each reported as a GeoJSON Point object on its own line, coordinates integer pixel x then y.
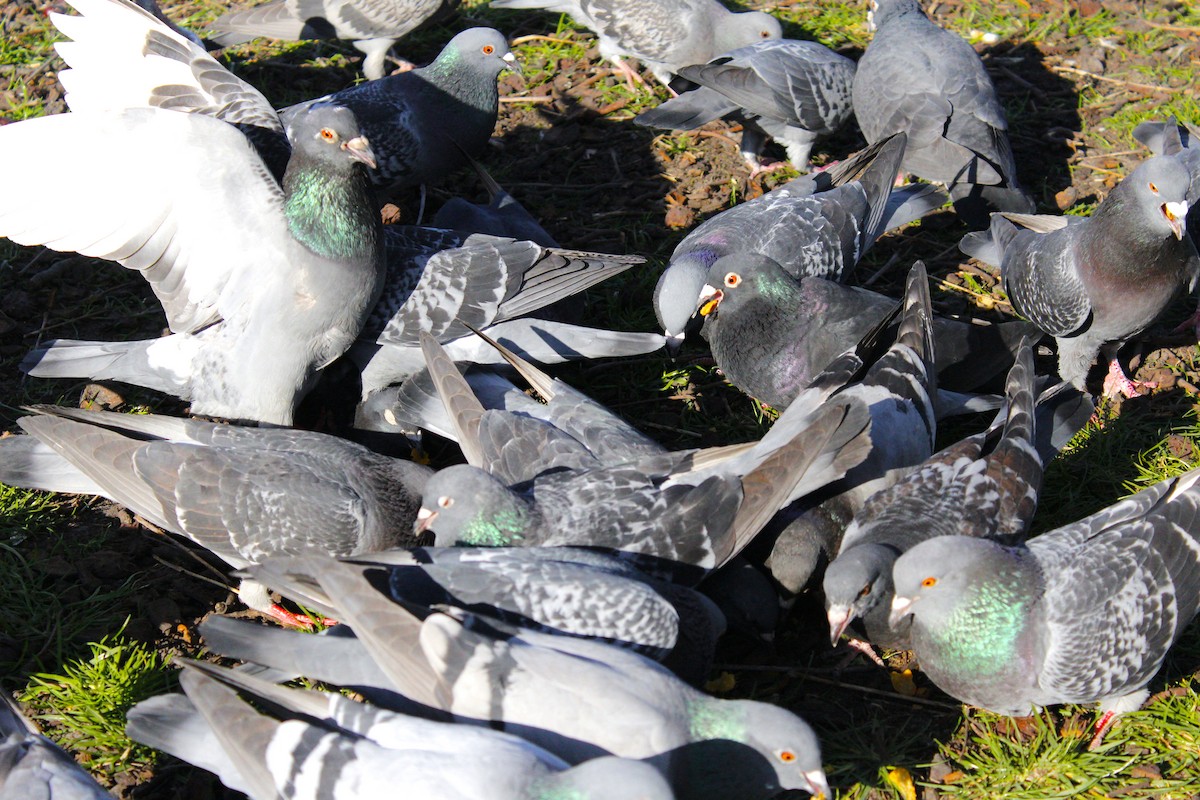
{"type": "Point", "coordinates": [496, 527]}
{"type": "Point", "coordinates": [332, 215]}
{"type": "Point", "coordinates": [552, 789]}
{"type": "Point", "coordinates": [714, 719]}
{"type": "Point", "coordinates": [777, 288]}
{"type": "Point", "coordinates": [980, 636]}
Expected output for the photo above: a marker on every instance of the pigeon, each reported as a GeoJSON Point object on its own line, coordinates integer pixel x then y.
{"type": "Point", "coordinates": [928, 82]}
{"type": "Point", "coordinates": [773, 333]}
{"type": "Point", "coordinates": [373, 26]}
{"type": "Point", "coordinates": [444, 283]}
{"type": "Point", "coordinates": [566, 590]}
{"type": "Point", "coordinates": [984, 486]}
{"type": "Point", "coordinates": [899, 386]}
{"type": "Point", "coordinates": [262, 285]}
{"type": "Point", "coordinates": [322, 746]}
{"type": "Point", "coordinates": [1082, 614]}
{"type": "Point", "coordinates": [663, 34]}
{"type": "Point", "coordinates": [576, 698]}
{"type": "Point", "coordinates": [32, 766]}
{"type": "Point", "coordinates": [156, 10]}
{"type": "Point", "coordinates": [422, 121]}
{"type": "Point", "coordinates": [1094, 282]}
{"type": "Point", "coordinates": [817, 225]}
{"type": "Point", "coordinates": [665, 505]}
{"type": "Point", "coordinates": [241, 493]}
{"type": "Point", "coordinates": [787, 90]}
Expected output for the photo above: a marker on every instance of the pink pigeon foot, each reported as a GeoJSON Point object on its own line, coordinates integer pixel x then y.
{"type": "Point", "coordinates": [1190, 325]}
{"type": "Point", "coordinates": [1116, 382]}
{"type": "Point", "coordinates": [289, 620]}
{"type": "Point", "coordinates": [1102, 727]}
{"type": "Point", "coordinates": [859, 647]}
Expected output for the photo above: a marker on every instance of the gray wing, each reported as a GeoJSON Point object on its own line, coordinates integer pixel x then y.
{"type": "Point", "coordinates": [1041, 277]}
{"type": "Point", "coordinates": [1121, 586]}
{"type": "Point", "coordinates": [645, 30]}
{"type": "Point", "coordinates": [34, 768]}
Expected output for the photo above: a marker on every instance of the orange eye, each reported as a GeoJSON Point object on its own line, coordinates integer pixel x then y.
{"type": "Point", "coordinates": [787, 756]}
{"type": "Point", "coordinates": [732, 279]}
{"type": "Point", "coordinates": [1154, 187]}
{"type": "Point", "coordinates": [488, 49]}
{"type": "Point", "coordinates": [445, 502]}
{"type": "Point", "coordinates": [930, 581]}
{"type": "Point", "coordinates": [328, 135]}
{"type": "Point", "coordinates": [765, 34]}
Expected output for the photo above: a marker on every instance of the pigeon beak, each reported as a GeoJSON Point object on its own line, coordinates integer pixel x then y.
{"type": "Point", "coordinates": [425, 518]}
{"type": "Point", "coordinates": [710, 298]}
{"type": "Point", "coordinates": [839, 619]}
{"type": "Point", "coordinates": [901, 608]}
{"type": "Point", "coordinates": [513, 64]}
{"type": "Point", "coordinates": [359, 149]}
{"type": "Point", "coordinates": [1176, 213]}
{"type": "Point", "coordinates": [674, 343]}
{"type": "Point", "coordinates": [818, 785]}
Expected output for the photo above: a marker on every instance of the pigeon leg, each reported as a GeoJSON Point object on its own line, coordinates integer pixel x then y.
{"type": "Point", "coordinates": [859, 647]}
{"type": "Point", "coordinates": [1117, 382]}
{"type": "Point", "coordinates": [289, 620]}
{"type": "Point", "coordinates": [632, 78]}
{"type": "Point", "coordinates": [1102, 725]}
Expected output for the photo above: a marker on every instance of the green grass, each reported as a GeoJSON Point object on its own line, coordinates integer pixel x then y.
{"type": "Point", "coordinates": [83, 707]}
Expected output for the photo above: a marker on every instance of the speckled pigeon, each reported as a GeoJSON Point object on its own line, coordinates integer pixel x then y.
{"type": "Point", "coordinates": [984, 486]}
{"type": "Point", "coordinates": [34, 768]}
{"type": "Point", "coordinates": [773, 333]}
{"type": "Point", "coordinates": [666, 505]}
{"type": "Point", "coordinates": [564, 590]}
{"type": "Point", "coordinates": [241, 493]}
{"type": "Point", "coordinates": [786, 90]}
{"type": "Point", "coordinates": [663, 34]}
{"type": "Point", "coordinates": [262, 285]}
{"type": "Point", "coordinates": [421, 122]}
{"type": "Point", "coordinates": [312, 745]}
{"type": "Point", "coordinates": [928, 82]}
{"type": "Point", "coordinates": [576, 698]}
{"type": "Point", "coordinates": [444, 283]}
{"type": "Point", "coordinates": [1083, 614]}
{"type": "Point", "coordinates": [373, 25]}
{"type": "Point", "coordinates": [816, 225]}
{"type": "Point", "coordinates": [1094, 282]}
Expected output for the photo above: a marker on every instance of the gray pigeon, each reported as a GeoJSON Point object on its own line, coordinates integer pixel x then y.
{"type": "Point", "coordinates": [34, 768]}
{"type": "Point", "coordinates": [984, 486]}
{"type": "Point", "coordinates": [359, 751]}
{"type": "Point", "coordinates": [1083, 614]}
{"type": "Point", "coordinates": [774, 333]}
{"type": "Point", "coordinates": [663, 34]}
{"type": "Point", "coordinates": [241, 493]}
{"type": "Point", "coordinates": [576, 698]}
{"type": "Point", "coordinates": [566, 590]}
{"type": "Point", "coordinates": [928, 82]}
{"type": "Point", "coordinates": [1173, 139]}
{"type": "Point", "coordinates": [1094, 282]}
{"type": "Point", "coordinates": [422, 121]}
{"type": "Point", "coordinates": [445, 283]}
{"type": "Point", "coordinates": [786, 90]}
{"type": "Point", "coordinates": [817, 225]}
{"type": "Point", "coordinates": [373, 25]}
{"type": "Point", "coordinates": [262, 284]}
{"type": "Point", "coordinates": [668, 505]}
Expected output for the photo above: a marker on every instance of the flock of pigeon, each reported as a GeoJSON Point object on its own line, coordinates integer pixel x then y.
{"type": "Point", "coordinates": [533, 623]}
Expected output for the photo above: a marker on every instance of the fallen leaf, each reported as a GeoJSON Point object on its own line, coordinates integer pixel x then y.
{"type": "Point", "coordinates": [901, 778]}
{"type": "Point", "coordinates": [721, 684]}
{"type": "Point", "coordinates": [903, 683]}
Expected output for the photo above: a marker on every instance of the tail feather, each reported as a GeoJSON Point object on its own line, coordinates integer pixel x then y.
{"type": "Point", "coordinates": [27, 463]}
{"type": "Point", "coordinates": [160, 364]}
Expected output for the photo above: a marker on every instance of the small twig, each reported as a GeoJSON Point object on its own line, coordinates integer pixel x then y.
{"type": "Point", "coordinates": [515, 98]}
{"type": "Point", "coordinates": [893, 696]}
{"type": "Point", "coordinates": [879, 272]}
{"type": "Point", "coordinates": [533, 37]}
{"type": "Point", "coordinates": [1132, 84]}
{"type": "Point", "coordinates": [191, 574]}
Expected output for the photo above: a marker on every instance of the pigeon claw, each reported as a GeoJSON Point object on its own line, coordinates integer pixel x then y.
{"type": "Point", "coordinates": [1117, 382]}
{"type": "Point", "coordinates": [300, 621]}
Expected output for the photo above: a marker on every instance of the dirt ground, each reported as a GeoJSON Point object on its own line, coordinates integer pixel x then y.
{"type": "Point", "coordinates": [598, 182]}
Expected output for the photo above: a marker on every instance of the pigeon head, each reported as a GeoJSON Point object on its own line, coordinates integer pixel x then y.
{"type": "Point", "coordinates": [784, 740]}
{"type": "Point", "coordinates": [739, 30]}
{"type": "Point", "coordinates": [972, 592]}
{"type": "Point", "coordinates": [482, 50]}
{"type": "Point", "coordinates": [465, 505]}
{"type": "Point", "coordinates": [607, 778]}
{"type": "Point", "coordinates": [880, 11]}
{"type": "Point", "coordinates": [1161, 184]}
{"type": "Point", "coordinates": [674, 298]}
{"type": "Point", "coordinates": [329, 133]}
{"type": "Point", "coordinates": [857, 582]}
{"type": "Point", "coordinates": [737, 280]}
